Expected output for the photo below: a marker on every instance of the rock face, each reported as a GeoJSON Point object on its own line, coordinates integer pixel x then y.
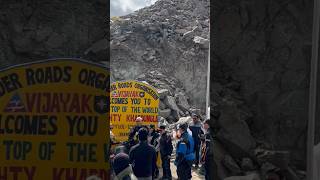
{"type": "Point", "coordinates": [170, 36]}
{"type": "Point", "coordinates": [174, 103]}
{"type": "Point", "coordinates": [247, 177]}
{"type": "Point", "coordinates": [262, 52]}
{"type": "Point", "coordinates": [34, 30]}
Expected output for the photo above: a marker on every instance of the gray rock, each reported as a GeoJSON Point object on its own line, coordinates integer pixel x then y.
{"type": "Point", "coordinates": [231, 165]}
{"type": "Point", "coordinates": [290, 174]}
{"type": "Point", "coordinates": [247, 164]}
{"type": "Point", "coordinates": [182, 102]}
{"type": "Point", "coordinates": [235, 133]}
{"type": "Point", "coordinates": [280, 159]}
{"type": "Point", "coordinates": [55, 40]}
{"type": "Point", "coordinates": [164, 12]}
{"type": "Point", "coordinates": [181, 31]}
{"type": "Point", "coordinates": [195, 110]}
{"type": "Point", "coordinates": [253, 176]}
{"type": "Point", "coordinates": [188, 35]}
{"type": "Point", "coordinates": [100, 45]}
{"type": "Point", "coordinates": [43, 33]}
{"type": "Point", "coordinates": [171, 103]}
{"type": "Point", "coordinates": [219, 154]}
{"type": "Point", "coordinates": [30, 36]}
{"type": "Point", "coordinates": [204, 43]}
{"type": "Point", "coordinates": [171, 119]}
{"type": "Point", "coordinates": [163, 93]}
{"type": "Point", "coordinates": [165, 113]}
{"type": "Point", "coordinates": [162, 105]}
{"type": "Point", "coordinates": [267, 167]}
{"type": "Point", "coordinates": [22, 44]}
{"type": "Point", "coordinates": [184, 120]}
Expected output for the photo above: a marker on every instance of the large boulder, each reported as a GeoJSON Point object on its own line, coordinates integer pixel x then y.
{"type": "Point", "coordinates": [171, 103]}
{"type": "Point", "coordinates": [165, 113]}
{"type": "Point", "coordinates": [182, 101]}
{"type": "Point", "coordinates": [235, 133]}
{"type": "Point", "coordinates": [162, 105]}
{"type": "Point", "coordinates": [231, 165]}
{"type": "Point", "coordinates": [280, 159]}
{"type": "Point", "coordinates": [219, 154]}
{"type": "Point", "coordinates": [184, 120]}
{"type": "Point", "coordinates": [247, 164]}
{"type": "Point", "coordinates": [204, 43]}
{"type": "Point", "coordinates": [163, 93]}
{"type": "Point", "coordinates": [253, 176]}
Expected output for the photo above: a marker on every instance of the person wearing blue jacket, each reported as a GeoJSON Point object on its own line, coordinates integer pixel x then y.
{"type": "Point", "coordinates": [184, 153]}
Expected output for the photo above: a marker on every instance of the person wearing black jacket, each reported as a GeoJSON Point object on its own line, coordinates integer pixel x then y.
{"type": "Point", "coordinates": [143, 157]}
{"type": "Point", "coordinates": [166, 149]}
{"type": "Point", "coordinates": [207, 151]}
{"type": "Point", "coordinates": [133, 140]}
{"type": "Point", "coordinates": [154, 141]}
{"type": "Point", "coordinates": [196, 129]}
{"type": "Point", "coordinates": [153, 134]}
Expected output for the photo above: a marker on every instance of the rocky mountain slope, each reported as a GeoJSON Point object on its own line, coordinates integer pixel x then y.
{"type": "Point", "coordinates": [171, 37]}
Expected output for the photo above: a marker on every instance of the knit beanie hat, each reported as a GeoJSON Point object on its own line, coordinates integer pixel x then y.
{"type": "Point", "coordinates": [120, 162]}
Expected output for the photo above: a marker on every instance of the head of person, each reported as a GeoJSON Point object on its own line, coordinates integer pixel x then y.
{"type": "Point", "coordinates": [139, 121]}
{"type": "Point", "coordinates": [111, 127]}
{"type": "Point", "coordinates": [151, 128]}
{"type": "Point", "coordinates": [182, 128]}
{"type": "Point", "coordinates": [143, 134]}
{"type": "Point", "coordinates": [162, 129]}
{"type": "Point", "coordinates": [206, 124]}
{"type": "Point", "coordinates": [120, 163]}
{"type": "Point", "coordinates": [195, 117]}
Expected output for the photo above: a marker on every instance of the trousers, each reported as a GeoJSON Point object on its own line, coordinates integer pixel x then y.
{"type": "Point", "coordinates": [166, 167]}
{"type": "Point", "coordinates": [184, 171]}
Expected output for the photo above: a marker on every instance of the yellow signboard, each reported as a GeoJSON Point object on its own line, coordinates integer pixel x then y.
{"type": "Point", "coordinates": [53, 121]}
{"type": "Point", "coordinates": [129, 100]}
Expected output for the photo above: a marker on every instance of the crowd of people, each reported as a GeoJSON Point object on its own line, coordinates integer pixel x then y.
{"type": "Point", "coordinates": [138, 160]}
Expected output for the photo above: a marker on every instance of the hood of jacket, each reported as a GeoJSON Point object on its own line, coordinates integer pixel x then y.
{"type": "Point", "coordinates": [126, 172]}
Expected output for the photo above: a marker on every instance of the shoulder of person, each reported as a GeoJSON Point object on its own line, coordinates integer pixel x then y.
{"type": "Point", "coordinates": [184, 139]}
{"type": "Point", "coordinates": [152, 148]}
{"type": "Point", "coordinates": [134, 147]}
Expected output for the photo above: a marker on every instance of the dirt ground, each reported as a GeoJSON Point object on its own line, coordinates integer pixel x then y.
{"type": "Point", "coordinates": [195, 173]}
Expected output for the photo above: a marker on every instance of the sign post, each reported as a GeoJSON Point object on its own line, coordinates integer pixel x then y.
{"type": "Point", "coordinates": [53, 120]}
{"type": "Point", "coordinates": [208, 88]}
{"type": "Point", "coordinates": [129, 100]}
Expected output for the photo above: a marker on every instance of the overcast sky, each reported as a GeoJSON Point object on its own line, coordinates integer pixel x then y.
{"type": "Point", "coordinates": [123, 7]}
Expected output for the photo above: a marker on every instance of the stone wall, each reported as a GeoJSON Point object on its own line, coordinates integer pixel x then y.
{"type": "Point", "coordinates": [34, 30]}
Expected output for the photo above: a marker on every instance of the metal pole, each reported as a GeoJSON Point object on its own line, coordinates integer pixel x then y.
{"type": "Point", "coordinates": [208, 83]}
{"type": "Point", "coordinates": [313, 91]}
